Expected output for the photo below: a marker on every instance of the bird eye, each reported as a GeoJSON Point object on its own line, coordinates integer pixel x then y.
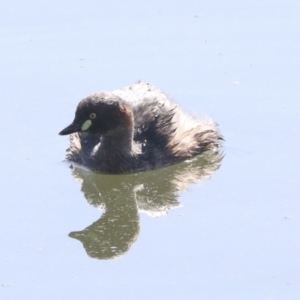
{"type": "Point", "coordinates": [92, 116]}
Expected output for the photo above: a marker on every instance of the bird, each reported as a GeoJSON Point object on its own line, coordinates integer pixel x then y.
{"type": "Point", "coordinates": [136, 128]}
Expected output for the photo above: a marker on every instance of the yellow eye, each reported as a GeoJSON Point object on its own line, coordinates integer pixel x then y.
{"type": "Point", "coordinates": [92, 116]}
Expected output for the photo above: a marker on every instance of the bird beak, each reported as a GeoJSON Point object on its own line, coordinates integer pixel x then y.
{"type": "Point", "coordinates": [70, 129]}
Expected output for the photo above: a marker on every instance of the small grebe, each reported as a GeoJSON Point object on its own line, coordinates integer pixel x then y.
{"type": "Point", "coordinates": [136, 128]}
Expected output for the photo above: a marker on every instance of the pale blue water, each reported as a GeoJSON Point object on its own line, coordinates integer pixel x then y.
{"type": "Point", "coordinates": [235, 235]}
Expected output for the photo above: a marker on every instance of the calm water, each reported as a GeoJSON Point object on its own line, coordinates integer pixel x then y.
{"type": "Point", "coordinates": [210, 229]}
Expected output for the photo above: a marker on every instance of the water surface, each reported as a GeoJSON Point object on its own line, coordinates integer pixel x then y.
{"type": "Point", "coordinates": [231, 233]}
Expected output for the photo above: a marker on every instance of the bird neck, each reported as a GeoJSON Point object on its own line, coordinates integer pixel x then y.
{"type": "Point", "coordinates": [115, 154]}
{"type": "Point", "coordinates": [118, 141]}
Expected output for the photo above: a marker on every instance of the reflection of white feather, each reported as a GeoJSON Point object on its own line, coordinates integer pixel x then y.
{"type": "Point", "coordinates": [162, 212]}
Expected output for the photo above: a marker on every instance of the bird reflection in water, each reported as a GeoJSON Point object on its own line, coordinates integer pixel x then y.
{"type": "Point", "coordinates": [122, 197]}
